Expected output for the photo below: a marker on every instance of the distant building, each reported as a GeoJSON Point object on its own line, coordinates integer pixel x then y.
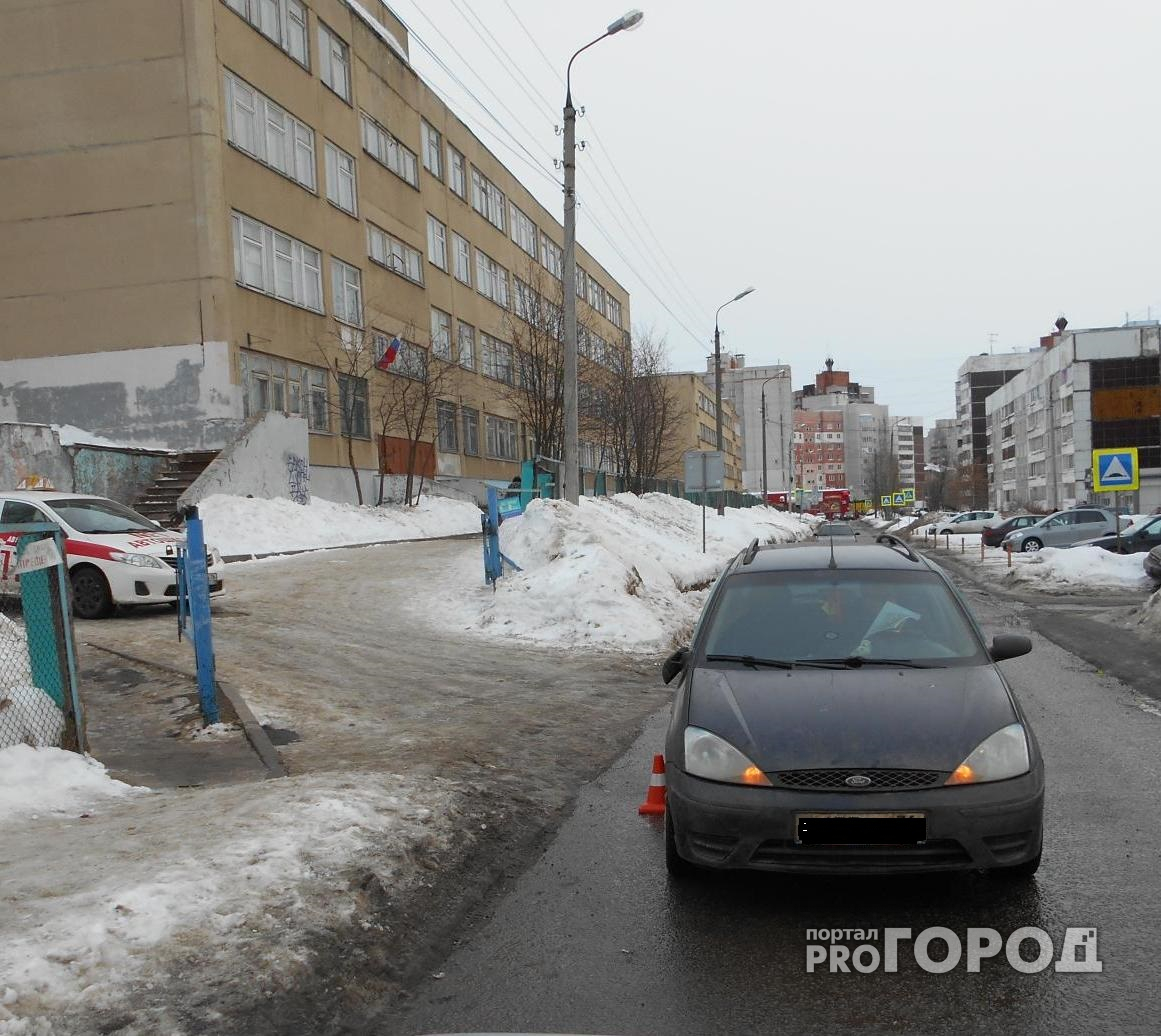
{"type": "Point", "coordinates": [695, 428]}
{"type": "Point", "coordinates": [1083, 390]}
{"type": "Point", "coordinates": [743, 386]}
{"type": "Point", "coordinates": [978, 377]}
{"type": "Point", "coordinates": [907, 438]}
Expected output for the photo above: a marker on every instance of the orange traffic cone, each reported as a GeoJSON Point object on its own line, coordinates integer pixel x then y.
{"type": "Point", "coordinates": [654, 804]}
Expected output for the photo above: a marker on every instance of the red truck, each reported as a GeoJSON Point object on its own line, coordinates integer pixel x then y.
{"type": "Point", "coordinates": [836, 503]}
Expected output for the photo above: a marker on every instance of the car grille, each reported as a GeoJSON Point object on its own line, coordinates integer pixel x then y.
{"type": "Point", "coordinates": [791, 856]}
{"type": "Point", "coordinates": [172, 561]}
{"type": "Point", "coordinates": [881, 780]}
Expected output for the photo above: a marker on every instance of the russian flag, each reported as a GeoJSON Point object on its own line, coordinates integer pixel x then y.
{"type": "Point", "coordinates": [389, 354]}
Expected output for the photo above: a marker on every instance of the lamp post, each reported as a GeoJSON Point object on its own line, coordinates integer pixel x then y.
{"type": "Point", "coordinates": [718, 388]}
{"type": "Point", "coordinates": [775, 377]}
{"type": "Point", "coordinates": [570, 477]}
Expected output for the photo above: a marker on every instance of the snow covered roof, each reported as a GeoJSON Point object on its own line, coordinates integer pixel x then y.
{"type": "Point", "coordinates": [379, 29]}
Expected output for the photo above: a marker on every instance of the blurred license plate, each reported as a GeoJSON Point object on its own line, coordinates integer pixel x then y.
{"type": "Point", "coordinates": [861, 828]}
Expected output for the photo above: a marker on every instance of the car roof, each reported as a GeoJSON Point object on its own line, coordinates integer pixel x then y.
{"type": "Point", "coordinates": [808, 557]}
{"type": "Point", "coordinates": [33, 495]}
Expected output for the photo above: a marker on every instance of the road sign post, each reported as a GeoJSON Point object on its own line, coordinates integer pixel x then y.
{"type": "Point", "coordinates": [704, 470]}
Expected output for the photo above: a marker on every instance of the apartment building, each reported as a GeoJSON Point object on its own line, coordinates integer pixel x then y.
{"type": "Point", "coordinates": [239, 206]}
{"type": "Point", "coordinates": [820, 451]}
{"type": "Point", "coordinates": [1084, 390]}
{"type": "Point", "coordinates": [907, 437]}
{"type": "Point", "coordinates": [745, 387]}
{"type": "Point", "coordinates": [696, 428]}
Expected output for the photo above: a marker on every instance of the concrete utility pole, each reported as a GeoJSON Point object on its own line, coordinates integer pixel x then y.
{"type": "Point", "coordinates": [718, 389]}
{"type": "Point", "coordinates": [570, 477]}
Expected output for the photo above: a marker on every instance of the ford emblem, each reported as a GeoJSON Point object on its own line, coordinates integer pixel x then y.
{"type": "Point", "coordinates": [857, 780]}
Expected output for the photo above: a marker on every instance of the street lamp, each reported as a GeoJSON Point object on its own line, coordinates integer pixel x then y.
{"type": "Point", "coordinates": [718, 389]}
{"type": "Point", "coordinates": [775, 377]}
{"type": "Point", "coordinates": [570, 477]}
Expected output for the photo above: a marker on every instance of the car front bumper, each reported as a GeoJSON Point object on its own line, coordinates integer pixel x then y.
{"type": "Point", "coordinates": [135, 584]}
{"type": "Point", "coordinates": [982, 826]}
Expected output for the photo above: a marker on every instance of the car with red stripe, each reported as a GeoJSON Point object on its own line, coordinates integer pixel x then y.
{"type": "Point", "coordinates": [115, 555]}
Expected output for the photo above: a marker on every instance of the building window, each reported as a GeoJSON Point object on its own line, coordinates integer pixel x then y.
{"type": "Point", "coordinates": [436, 242]}
{"type": "Point", "coordinates": [463, 259]}
{"type": "Point", "coordinates": [613, 311]}
{"type": "Point", "coordinates": [340, 178]}
{"type": "Point", "coordinates": [269, 133]}
{"type": "Point", "coordinates": [457, 170]}
{"type": "Point", "coordinates": [270, 383]}
{"type": "Point", "coordinates": [432, 149]}
{"type": "Point", "coordinates": [354, 420]}
{"type": "Point", "coordinates": [524, 231]}
{"type": "Point", "coordinates": [466, 344]}
{"type": "Point", "coordinates": [491, 279]}
{"type": "Point", "coordinates": [500, 437]}
{"type": "Point", "coordinates": [441, 334]}
{"type": "Point", "coordinates": [334, 62]}
{"type": "Point", "coordinates": [497, 358]}
{"type": "Point", "coordinates": [411, 361]}
{"type": "Point", "coordinates": [283, 22]}
{"type": "Point", "coordinates": [445, 422]}
{"type": "Point", "coordinates": [471, 431]}
{"type": "Point", "coordinates": [487, 199]}
{"type": "Point", "coordinates": [399, 257]}
{"type": "Point", "coordinates": [346, 293]}
{"type": "Point", "coordinates": [276, 264]}
{"type": "Point", "coordinates": [552, 256]}
{"type": "Point", "coordinates": [382, 146]}
{"type": "Point", "coordinates": [596, 296]}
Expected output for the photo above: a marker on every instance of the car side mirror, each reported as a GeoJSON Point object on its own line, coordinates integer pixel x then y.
{"type": "Point", "coordinates": [672, 667]}
{"type": "Point", "coordinates": [1009, 645]}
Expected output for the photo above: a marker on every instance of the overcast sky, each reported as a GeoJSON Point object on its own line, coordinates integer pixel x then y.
{"type": "Point", "coordinates": [898, 179]}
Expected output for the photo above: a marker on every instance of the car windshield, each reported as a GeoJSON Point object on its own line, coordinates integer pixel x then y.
{"type": "Point", "coordinates": [95, 517]}
{"type": "Point", "coordinates": [868, 615]}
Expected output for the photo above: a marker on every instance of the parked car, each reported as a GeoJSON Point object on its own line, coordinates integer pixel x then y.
{"type": "Point", "coordinates": [1153, 564]}
{"type": "Point", "coordinates": [967, 522]}
{"type": "Point", "coordinates": [1063, 529]}
{"type": "Point", "coordinates": [841, 713]}
{"type": "Point", "coordinates": [834, 529]}
{"type": "Point", "coordinates": [995, 531]}
{"type": "Point", "coordinates": [1139, 538]}
{"type": "Point", "coordinates": [115, 556]}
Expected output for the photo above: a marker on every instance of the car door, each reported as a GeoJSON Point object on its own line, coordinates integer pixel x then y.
{"type": "Point", "coordinates": [1144, 539]}
{"type": "Point", "coordinates": [1058, 531]}
{"type": "Point", "coordinates": [14, 512]}
{"type": "Point", "coordinates": [1090, 524]}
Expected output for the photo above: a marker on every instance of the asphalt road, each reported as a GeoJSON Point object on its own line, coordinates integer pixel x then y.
{"type": "Point", "coordinates": [593, 938]}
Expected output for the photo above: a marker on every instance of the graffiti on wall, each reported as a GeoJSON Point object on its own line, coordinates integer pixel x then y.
{"type": "Point", "coordinates": [298, 478]}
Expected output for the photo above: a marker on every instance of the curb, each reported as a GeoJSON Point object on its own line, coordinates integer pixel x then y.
{"type": "Point", "coordinates": [230, 559]}
{"type": "Point", "coordinates": [255, 734]}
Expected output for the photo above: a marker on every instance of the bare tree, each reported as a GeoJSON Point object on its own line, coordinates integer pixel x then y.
{"type": "Point", "coordinates": [348, 354]}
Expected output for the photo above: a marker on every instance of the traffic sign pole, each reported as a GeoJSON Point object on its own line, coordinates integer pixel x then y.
{"type": "Point", "coordinates": [1117, 516]}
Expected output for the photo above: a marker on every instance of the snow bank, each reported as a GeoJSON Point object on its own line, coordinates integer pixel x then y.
{"type": "Point", "coordinates": [35, 781]}
{"type": "Point", "coordinates": [28, 716]}
{"type": "Point", "coordinates": [1081, 567]}
{"type": "Point", "coordinates": [624, 572]}
{"type": "Point", "coordinates": [244, 525]}
{"type": "Point", "coordinates": [1150, 615]}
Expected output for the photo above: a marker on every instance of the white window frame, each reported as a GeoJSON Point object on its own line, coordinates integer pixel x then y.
{"type": "Point", "coordinates": [497, 429]}
{"type": "Point", "coordinates": [525, 233]}
{"type": "Point", "coordinates": [334, 62]}
{"type": "Point", "coordinates": [472, 437]}
{"type": "Point", "coordinates": [275, 264]}
{"type": "Point", "coordinates": [462, 259]}
{"type": "Point", "coordinates": [491, 279]}
{"type": "Point", "coordinates": [394, 254]}
{"type": "Point", "coordinates": [488, 200]}
{"type": "Point", "coordinates": [497, 359]}
{"type": "Point", "coordinates": [436, 243]}
{"type": "Point", "coordinates": [465, 352]}
{"type": "Point", "coordinates": [447, 426]}
{"type": "Point", "coordinates": [346, 292]}
{"type": "Point", "coordinates": [551, 256]}
{"type": "Point", "coordinates": [457, 172]}
{"type": "Point", "coordinates": [431, 144]}
{"type": "Point", "coordinates": [267, 132]}
{"type": "Point", "coordinates": [359, 426]}
{"type": "Point", "coordinates": [290, 32]}
{"type": "Point", "coordinates": [342, 188]}
{"type": "Point", "coordinates": [311, 401]}
{"type": "Point", "coordinates": [441, 343]}
{"type": "Point", "coordinates": [383, 146]}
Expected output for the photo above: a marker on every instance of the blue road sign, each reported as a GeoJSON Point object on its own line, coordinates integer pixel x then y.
{"type": "Point", "coordinates": [1116, 470]}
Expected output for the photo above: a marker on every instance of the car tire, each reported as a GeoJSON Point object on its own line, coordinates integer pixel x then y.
{"type": "Point", "coordinates": [1019, 870]}
{"type": "Point", "coordinates": [1031, 545]}
{"type": "Point", "coordinates": [91, 597]}
{"type": "Point", "coordinates": [677, 866]}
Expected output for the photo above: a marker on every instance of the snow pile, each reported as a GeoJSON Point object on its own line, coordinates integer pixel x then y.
{"type": "Point", "coordinates": [71, 435]}
{"type": "Point", "coordinates": [1081, 567]}
{"type": "Point", "coordinates": [622, 572]}
{"type": "Point", "coordinates": [28, 716]}
{"type": "Point", "coordinates": [244, 525]}
{"type": "Point", "coordinates": [36, 781]}
{"type": "Point", "coordinates": [1150, 615]}
{"type": "Point", "coordinates": [197, 881]}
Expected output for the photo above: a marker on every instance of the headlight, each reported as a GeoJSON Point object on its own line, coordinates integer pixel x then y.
{"type": "Point", "coordinates": [140, 560]}
{"type": "Point", "coordinates": [709, 756]}
{"type": "Point", "coordinates": [1003, 755]}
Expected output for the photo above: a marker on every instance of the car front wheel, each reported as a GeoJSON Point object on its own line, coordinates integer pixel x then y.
{"type": "Point", "coordinates": [1031, 546]}
{"type": "Point", "coordinates": [92, 598]}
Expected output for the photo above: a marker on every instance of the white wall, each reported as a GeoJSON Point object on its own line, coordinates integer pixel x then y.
{"type": "Point", "coordinates": [270, 458]}
{"type": "Point", "coordinates": [177, 397]}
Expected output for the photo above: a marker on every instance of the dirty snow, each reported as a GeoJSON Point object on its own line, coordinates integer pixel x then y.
{"type": "Point", "coordinates": [46, 781]}
{"type": "Point", "coordinates": [1150, 614]}
{"type": "Point", "coordinates": [1081, 567]}
{"type": "Point", "coordinates": [623, 572]}
{"type": "Point", "coordinates": [242, 525]}
{"type": "Point", "coordinates": [28, 716]}
{"type": "Point", "coordinates": [198, 880]}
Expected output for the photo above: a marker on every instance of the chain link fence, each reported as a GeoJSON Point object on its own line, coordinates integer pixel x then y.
{"type": "Point", "coordinates": [38, 694]}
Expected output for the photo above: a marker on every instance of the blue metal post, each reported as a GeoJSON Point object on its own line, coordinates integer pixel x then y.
{"type": "Point", "coordinates": [198, 584]}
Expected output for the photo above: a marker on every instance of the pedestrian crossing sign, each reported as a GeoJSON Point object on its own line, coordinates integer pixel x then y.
{"type": "Point", "coordinates": [885, 501]}
{"type": "Point", "coordinates": [899, 500]}
{"type": "Point", "coordinates": [909, 496]}
{"type": "Point", "coordinates": [1115, 470]}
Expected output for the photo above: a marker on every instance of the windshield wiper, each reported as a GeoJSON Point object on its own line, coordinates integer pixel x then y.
{"type": "Point", "coordinates": [752, 661]}
{"type": "Point", "coordinates": [857, 661]}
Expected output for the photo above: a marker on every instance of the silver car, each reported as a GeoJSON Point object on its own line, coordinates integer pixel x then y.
{"type": "Point", "coordinates": [1063, 529]}
{"type": "Point", "coordinates": [967, 522]}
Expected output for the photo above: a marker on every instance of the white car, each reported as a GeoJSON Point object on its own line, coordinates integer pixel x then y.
{"type": "Point", "coordinates": [115, 556]}
{"type": "Point", "coordinates": [967, 522]}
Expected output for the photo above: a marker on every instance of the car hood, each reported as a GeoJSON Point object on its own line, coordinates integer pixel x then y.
{"type": "Point", "coordinates": [863, 718]}
{"type": "Point", "coordinates": [159, 543]}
